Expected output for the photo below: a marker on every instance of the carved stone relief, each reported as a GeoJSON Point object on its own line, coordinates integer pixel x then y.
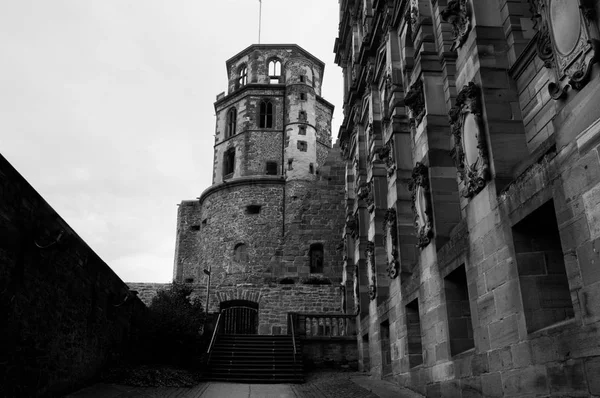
{"type": "Point", "coordinates": [414, 15]}
{"type": "Point", "coordinates": [458, 14]}
{"type": "Point", "coordinates": [469, 152]}
{"type": "Point", "coordinates": [390, 230]}
{"type": "Point", "coordinates": [352, 226]}
{"type": "Point", "coordinates": [421, 204]}
{"type": "Point", "coordinates": [386, 154]}
{"type": "Point", "coordinates": [365, 192]}
{"type": "Point", "coordinates": [565, 42]}
{"type": "Point", "coordinates": [370, 255]}
{"type": "Point", "coordinates": [415, 101]}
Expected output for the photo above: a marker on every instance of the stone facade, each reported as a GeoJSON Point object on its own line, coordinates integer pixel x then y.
{"type": "Point", "coordinates": [275, 211]}
{"type": "Point", "coordinates": [471, 140]}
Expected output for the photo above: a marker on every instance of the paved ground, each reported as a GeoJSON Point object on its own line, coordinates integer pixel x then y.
{"type": "Point", "coordinates": [323, 385]}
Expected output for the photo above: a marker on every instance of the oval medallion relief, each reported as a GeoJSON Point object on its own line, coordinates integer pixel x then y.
{"type": "Point", "coordinates": [566, 24]}
{"type": "Point", "coordinates": [470, 139]}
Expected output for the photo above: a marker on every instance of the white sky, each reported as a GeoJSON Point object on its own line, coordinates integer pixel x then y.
{"type": "Point", "coordinates": [106, 107]}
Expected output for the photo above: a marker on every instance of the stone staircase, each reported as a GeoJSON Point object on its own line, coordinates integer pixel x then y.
{"type": "Point", "coordinates": [255, 359]}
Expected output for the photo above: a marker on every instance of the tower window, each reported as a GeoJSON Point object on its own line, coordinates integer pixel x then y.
{"type": "Point", "coordinates": [302, 130]}
{"type": "Point", "coordinates": [240, 253]}
{"type": "Point", "coordinates": [290, 163]}
{"type": "Point", "coordinates": [316, 258]}
{"type": "Point", "coordinates": [302, 78]}
{"type": "Point", "coordinates": [274, 71]}
{"type": "Point", "coordinates": [272, 168]}
{"type": "Point", "coordinates": [302, 146]}
{"type": "Point", "coordinates": [311, 168]}
{"type": "Point", "coordinates": [253, 209]}
{"type": "Point", "coordinates": [302, 96]}
{"type": "Point", "coordinates": [266, 114]}
{"type": "Point", "coordinates": [231, 122]}
{"type": "Point", "coordinates": [243, 73]}
{"type": "Point", "coordinates": [228, 163]}
{"type": "Point", "coordinates": [302, 115]}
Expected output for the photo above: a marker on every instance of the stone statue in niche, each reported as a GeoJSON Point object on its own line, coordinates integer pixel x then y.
{"type": "Point", "coordinates": [565, 42]}
{"type": "Point", "coordinates": [414, 15]}
{"type": "Point", "coordinates": [356, 290]}
{"type": "Point", "coordinates": [390, 230]}
{"type": "Point", "coordinates": [370, 255]}
{"type": "Point", "coordinates": [343, 294]}
{"type": "Point", "coordinates": [421, 204]}
{"type": "Point", "coordinates": [458, 14]}
{"type": "Point", "coordinates": [365, 192]}
{"type": "Point", "coordinates": [415, 101]}
{"type": "Point", "coordinates": [469, 152]}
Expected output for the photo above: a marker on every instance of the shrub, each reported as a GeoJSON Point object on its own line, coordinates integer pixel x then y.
{"type": "Point", "coordinates": [171, 331]}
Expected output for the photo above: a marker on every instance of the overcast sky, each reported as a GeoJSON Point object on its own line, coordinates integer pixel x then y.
{"type": "Point", "coordinates": [106, 107]}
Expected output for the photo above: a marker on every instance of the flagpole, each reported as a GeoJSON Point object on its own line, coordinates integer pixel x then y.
{"type": "Point", "coordinates": [259, 18]}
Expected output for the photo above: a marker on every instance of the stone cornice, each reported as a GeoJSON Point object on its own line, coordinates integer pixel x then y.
{"type": "Point", "coordinates": [240, 181]}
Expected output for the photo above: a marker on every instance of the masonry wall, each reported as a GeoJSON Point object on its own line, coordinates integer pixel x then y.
{"type": "Point", "coordinates": [505, 280]}
{"type": "Point", "coordinates": [65, 313]}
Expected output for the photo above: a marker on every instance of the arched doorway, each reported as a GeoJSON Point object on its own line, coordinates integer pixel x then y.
{"type": "Point", "coordinates": [239, 317]}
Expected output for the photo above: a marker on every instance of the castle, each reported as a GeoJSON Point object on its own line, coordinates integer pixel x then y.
{"type": "Point", "coordinates": [268, 230]}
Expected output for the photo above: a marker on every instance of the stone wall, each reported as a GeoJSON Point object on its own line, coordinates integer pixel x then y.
{"type": "Point", "coordinates": [333, 352]}
{"type": "Point", "coordinates": [65, 313]}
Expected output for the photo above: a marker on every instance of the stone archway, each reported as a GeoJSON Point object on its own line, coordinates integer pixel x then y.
{"type": "Point", "coordinates": [239, 317]}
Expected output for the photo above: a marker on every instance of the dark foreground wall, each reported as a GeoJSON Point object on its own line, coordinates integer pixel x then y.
{"type": "Point", "coordinates": [63, 312]}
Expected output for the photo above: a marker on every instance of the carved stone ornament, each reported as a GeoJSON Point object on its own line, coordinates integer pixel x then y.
{"type": "Point", "coordinates": [370, 255]}
{"type": "Point", "coordinates": [356, 290]}
{"type": "Point", "coordinates": [565, 43]}
{"type": "Point", "coordinates": [369, 75]}
{"type": "Point", "coordinates": [421, 204]}
{"type": "Point", "coordinates": [365, 192]}
{"type": "Point", "coordinates": [390, 229]}
{"type": "Point", "coordinates": [386, 155]}
{"type": "Point", "coordinates": [458, 14]}
{"type": "Point", "coordinates": [414, 15]}
{"type": "Point", "coordinates": [345, 149]}
{"type": "Point", "coordinates": [352, 226]}
{"type": "Point", "coordinates": [469, 152]}
{"type": "Point", "coordinates": [415, 100]}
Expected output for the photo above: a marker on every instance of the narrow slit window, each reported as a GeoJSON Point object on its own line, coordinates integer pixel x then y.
{"type": "Point", "coordinates": [316, 258]}
{"type": "Point", "coordinates": [302, 96]}
{"type": "Point", "coordinates": [231, 123]}
{"type": "Point", "coordinates": [229, 163]}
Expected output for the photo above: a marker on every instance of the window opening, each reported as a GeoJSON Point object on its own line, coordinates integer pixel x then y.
{"type": "Point", "coordinates": [195, 227]}
{"type": "Point", "coordinates": [302, 146]}
{"type": "Point", "coordinates": [302, 130]}
{"type": "Point", "coordinates": [274, 72]}
{"type": "Point", "coordinates": [458, 308]}
{"type": "Point", "coordinates": [189, 280]}
{"type": "Point", "coordinates": [302, 115]}
{"type": "Point", "coordinates": [266, 114]}
{"type": "Point", "coordinates": [240, 253]}
{"type": "Point", "coordinates": [253, 209]}
{"type": "Point", "coordinates": [316, 258]}
{"type": "Point", "coordinates": [413, 325]}
{"type": "Point", "coordinates": [311, 168]}
{"type": "Point", "coordinates": [229, 163]}
{"type": "Point", "coordinates": [271, 168]}
{"type": "Point", "coordinates": [302, 78]}
{"type": "Point", "coordinates": [243, 79]}
{"type": "Point", "coordinates": [302, 96]}
{"type": "Point", "coordinates": [541, 266]}
{"type": "Point", "coordinates": [386, 352]}
{"type": "Point", "coordinates": [231, 122]}
{"type": "Point", "coordinates": [290, 161]}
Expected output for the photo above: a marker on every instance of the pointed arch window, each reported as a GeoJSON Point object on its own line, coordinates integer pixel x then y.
{"type": "Point", "coordinates": [266, 111]}
{"type": "Point", "coordinates": [316, 258]}
{"type": "Point", "coordinates": [231, 123]}
{"type": "Point", "coordinates": [274, 71]}
{"type": "Point", "coordinates": [228, 163]}
{"type": "Point", "coordinates": [240, 253]}
{"type": "Point", "coordinates": [243, 73]}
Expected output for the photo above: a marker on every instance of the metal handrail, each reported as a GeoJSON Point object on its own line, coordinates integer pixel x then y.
{"type": "Point", "coordinates": [293, 334]}
{"type": "Point", "coordinates": [212, 340]}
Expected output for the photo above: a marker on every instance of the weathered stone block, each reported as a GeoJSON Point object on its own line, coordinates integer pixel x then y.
{"type": "Point", "coordinates": [521, 354]}
{"type": "Point", "coordinates": [592, 371]}
{"type": "Point", "coordinates": [491, 385]}
{"type": "Point", "coordinates": [531, 380]}
{"type": "Point", "coordinates": [589, 261]}
{"type": "Point", "coordinates": [567, 377]}
{"type": "Point", "coordinates": [500, 359]}
{"type": "Point", "coordinates": [504, 332]}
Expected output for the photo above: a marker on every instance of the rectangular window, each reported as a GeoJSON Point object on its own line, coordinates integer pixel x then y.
{"type": "Point", "coordinates": [302, 96]}
{"type": "Point", "coordinates": [458, 308]}
{"type": "Point", "coordinates": [229, 163]}
{"type": "Point", "coordinates": [413, 336]}
{"type": "Point", "coordinates": [302, 115]}
{"type": "Point", "coordinates": [302, 146]}
{"type": "Point", "coordinates": [271, 168]}
{"type": "Point", "coordinates": [541, 266]}
{"type": "Point", "coordinates": [302, 130]}
{"type": "Point", "coordinates": [302, 78]}
{"type": "Point", "coordinates": [386, 353]}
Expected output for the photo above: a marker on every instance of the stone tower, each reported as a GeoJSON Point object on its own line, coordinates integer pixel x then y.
{"type": "Point", "coordinates": [275, 210]}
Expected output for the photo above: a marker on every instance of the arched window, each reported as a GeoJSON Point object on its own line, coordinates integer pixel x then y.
{"type": "Point", "coordinates": [274, 71]}
{"type": "Point", "coordinates": [240, 253]}
{"type": "Point", "coordinates": [229, 163]}
{"type": "Point", "coordinates": [243, 79]}
{"type": "Point", "coordinates": [265, 118]}
{"type": "Point", "coordinates": [316, 258]}
{"type": "Point", "coordinates": [231, 121]}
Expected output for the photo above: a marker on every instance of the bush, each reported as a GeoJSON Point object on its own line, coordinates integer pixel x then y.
{"type": "Point", "coordinates": [171, 331]}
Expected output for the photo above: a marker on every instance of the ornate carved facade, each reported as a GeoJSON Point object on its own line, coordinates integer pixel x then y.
{"type": "Point", "coordinates": [476, 191]}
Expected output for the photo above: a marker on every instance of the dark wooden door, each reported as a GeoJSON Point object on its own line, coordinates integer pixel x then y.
{"type": "Point", "coordinates": [239, 317]}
